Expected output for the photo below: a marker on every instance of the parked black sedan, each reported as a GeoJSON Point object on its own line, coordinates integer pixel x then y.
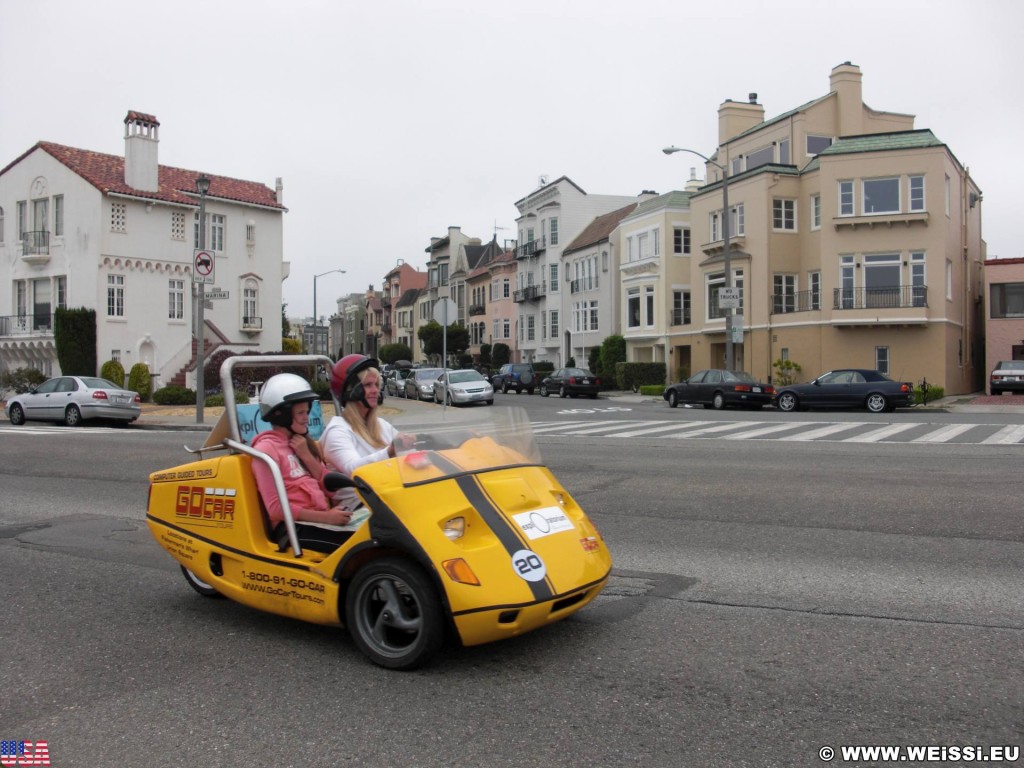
{"type": "Point", "coordinates": [569, 382]}
{"type": "Point", "coordinates": [717, 388]}
{"type": "Point", "coordinates": [847, 388]}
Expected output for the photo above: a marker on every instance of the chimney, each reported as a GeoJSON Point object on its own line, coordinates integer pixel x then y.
{"type": "Point", "coordinates": [735, 117]}
{"type": "Point", "coordinates": [279, 190]}
{"type": "Point", "coordinates": [845, 83]}
{"type": "Point", "coordinates": [141, 137]}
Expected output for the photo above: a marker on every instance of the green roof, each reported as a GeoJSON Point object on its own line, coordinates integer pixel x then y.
{"type": "Point", "coordinates": [880, 142]}
{"type": "Point", "coordinates": [673, 199]}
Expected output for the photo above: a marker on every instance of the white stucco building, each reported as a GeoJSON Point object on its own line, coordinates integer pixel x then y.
{"type": "Point", "coordinates": [118, 235]}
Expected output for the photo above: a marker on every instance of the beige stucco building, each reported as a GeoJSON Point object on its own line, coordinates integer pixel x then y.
{"type": "Point", "coordinates": [856, 242]}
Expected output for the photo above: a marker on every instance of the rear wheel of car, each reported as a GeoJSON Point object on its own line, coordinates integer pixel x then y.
{"type": "Point", "coordinates": [72, 416]}
{"type": "Point", "coordinates": [529, 391]}
{"type": "Point", "coordinates": [673, 399]}
{"type": "Point", "coordinates": [561, 391]}
{"type": "Point", "coordinates": [877, 403]}
{"type": "Point", "coordinates": [17, 415]}
{"type": "Point", "coordinates": [504, 387]}
{"type": "Point", "coordinates": [543, 390]}
{"type": "Point", "coordinates": [393, 613]}
{"type": "Point", "coordinates": [718, 401]}
{"type": "Point", "coordinates": [787, 401]}
{"type": "Point", "coordinates": [199, 585]}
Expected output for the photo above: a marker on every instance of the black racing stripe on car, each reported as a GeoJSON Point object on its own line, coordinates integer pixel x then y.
{"type": "Point", "coordinates": [233, 550]}
{"type": "Point", "coordinates": [520, 606]}
{"type": "Point", "coordinates": [452, 472]}
{"type": "Point", "coordinates": [502, 528]}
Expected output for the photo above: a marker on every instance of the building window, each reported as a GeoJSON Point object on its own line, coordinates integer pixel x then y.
{"type": "Point", "coordinates": [62, 292]}
{"type": "Point", "coordinates": [817, 144]}
{"type": "Point", "coordinates": [531, 331]}
{"type": "Point", "coordinates": [714, 224]}
{"type": "Point", "coordinates": [738, 221]}
{"type": "Point", "coordinates": [784, 152]}
{"type": "Point", "coordinates": [553, 287]}
{"type": "Point", "coordinates": [846, 198]}
{"type": "Point", "coordinates": [23, 217]}
{"type": "Point", "coordinates": [681, 307]}
{"type": "Point", "coordinates": [814, 280]}
{"type": "Point", "coordinates": [554, 323]}
{"type": "Point", "coordinates": [713, 282]}
{"type": "Point", "coordinates": [919, 290]}
{"type": "Point", "coordinates": [632, 308]}
{"type": "Point", "coordinates": [115, 295]}
{"type": "Point", "coordinates": [175, 299]}
{"type": "Point", "coordinates": [543, 326]}
{"type": "Point", "coordinates": [681, 240]}
{"type": "Point", "coordinates": [945, 193]}
{"type": "Point", "coordinates": [216, 232]}
{"type": "Point", "coordinates": [784, 215]}
{"type": "Point", "coordinates": [177, 225]}
{"type": "Point", "coordinates": [1006, 300]}
{"type": "Point", "coordinates": [882, 280]}
{"type": "Point", "coordinates": [58, 216]}
{"type": "Point", "coordinates": [506, 329]}
{"type": "Point", "coordinates": [881, 196]}
{"type": "Point", "coordinates": [118, 217]}
{"type": "Point", "coordinates": [846, 282]}
{"type": "Point", "coordinates": [784, 295]}
{"type": "Point", "coordinates": [554, 230]}
{"type": "Point", "coordinates": [250, 233]}
{"type": "Point", "coordinates": [917, 193]}
{"type": "Point", "coordinates": [760, 157]}
{"type": "Point", "coordinates": [649, 306]}
{"type": "Point", "coordinates": [815, 211]}
{"type": "Point", "coordinates": [949, 280]}
{"type": "Point", "coordinates": [882, 360]}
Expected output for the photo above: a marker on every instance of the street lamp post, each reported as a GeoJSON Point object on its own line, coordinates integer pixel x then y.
{"type": "Point", "coordinates": [316, 320]}
{"type": "Point", "coordinates": [202, 186]}
{"type": "Point", "coordinates": [726, 241]}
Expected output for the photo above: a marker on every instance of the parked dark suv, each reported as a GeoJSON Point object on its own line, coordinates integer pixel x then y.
{"type": "Point", "coordinates": [517, 376]}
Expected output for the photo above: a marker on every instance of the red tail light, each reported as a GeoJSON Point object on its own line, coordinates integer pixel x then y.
{"type": "Point", "coordinates": [906, 387]}
{"type": "Point", "coordinates": [138, 399]}
{"type": "Point", "coordinates": [744, 388]}
{"type": "Point", "coordinates": [99, 395]}
{"type": "Point", "coordinates": [572, 379]}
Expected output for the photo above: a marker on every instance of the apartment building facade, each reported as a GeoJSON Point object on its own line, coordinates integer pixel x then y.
{"type": "Point", "coordinates": [119, 235]}
{"type": "Point", "coordinates": [855, 242]}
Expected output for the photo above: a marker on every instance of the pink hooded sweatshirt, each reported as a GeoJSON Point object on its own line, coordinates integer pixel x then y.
{"type": "Point", "coordinates": [304, 491]}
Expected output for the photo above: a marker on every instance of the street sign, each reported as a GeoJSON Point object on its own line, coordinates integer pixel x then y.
{"type": "Point", "coordinates": [729, 298]}
{"type": "Point", "coordinates": [737, 329]}
{"type": "Point", "coordinates": [446, 312]}
{"type": "Point", "coordinates": [217, 293]}
{"type": "Point", "coordinates": [202, 267]}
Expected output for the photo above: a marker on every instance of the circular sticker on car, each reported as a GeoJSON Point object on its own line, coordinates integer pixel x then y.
{"type": "Point", "coordinates": [528, 565]}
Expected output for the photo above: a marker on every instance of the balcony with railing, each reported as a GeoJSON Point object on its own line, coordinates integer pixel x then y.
{"type": "Point", "coordinates": [531, 248]}
{"type": "Point", "coordinates": [583, 284]}
{"type": "Point", "coordinates": [35, 247]}
{"type": "Point", "coordinates": [476, 309]}
{"type": "Point", "coordinates": [529, 293]}
{"type": "Point", "coordinates": [889, 297]}
{"type": "Point", "coordinates": [796, 301]}
{"type": "Point", "coordinates": [252, 323]}
{"type": "Point", "coordinates": [39, 324]}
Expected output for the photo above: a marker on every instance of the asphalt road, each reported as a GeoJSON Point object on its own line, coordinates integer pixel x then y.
{"type": "Point", "coordinates": [767, 601]}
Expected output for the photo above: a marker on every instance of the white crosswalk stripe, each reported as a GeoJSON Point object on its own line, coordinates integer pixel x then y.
{"type": "Point", "coordinates": [1006, 435]}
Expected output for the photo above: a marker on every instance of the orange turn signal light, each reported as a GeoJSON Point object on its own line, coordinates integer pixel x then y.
{"type": "Point", "coordinates": [458, 570]}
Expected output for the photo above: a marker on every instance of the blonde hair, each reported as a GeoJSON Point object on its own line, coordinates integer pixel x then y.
{"type": "Point", "coordinates": [367, 427]}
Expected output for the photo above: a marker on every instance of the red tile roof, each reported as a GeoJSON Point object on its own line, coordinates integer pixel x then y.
{"type": "Point", "coordinates": [176, 185]}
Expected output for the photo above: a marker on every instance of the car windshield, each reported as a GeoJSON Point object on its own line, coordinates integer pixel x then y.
{"type": "Point", "coordinates": [423, 374]}
{"type": "Point", "coordinates": [93, 382]}
{"type": "Point", "coordinates": [461, 377]}
{"type": "Point", "coordinates": [738, 376]}
{"type": "Point", "coordinates": [475, 441]}
{"type": "Point", "coordinates": [576, 372]}
{"type": "Point", "coordinates": [1015, 365]}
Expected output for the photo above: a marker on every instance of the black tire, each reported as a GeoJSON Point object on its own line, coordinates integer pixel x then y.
{"type": "Point", "coordinates": [877, 403]}
{"type": "Point", "coordinates": [504, 387]}
{"type": "Point", "coordinates": [787, 402]}
{"type": "Point", "coordinates": [72, 416]}
{"type": "Point", "coordinates": [994, 392]}
{"type": "Point", "coordinates": [673, 399]}
{"type": "Point", "coordinates": [17, 415]}
{"type": "Point", "coordinates": [718, 401]}
{"type": "Point", "coordinates": [543, 390]}
{"type": "Point", "coordinates": [199, 585]}
{"type": "Point", "coordinates": [562, 392]}
{"type": "Point", "coordinates": [491, 401]}
{"type": "Point", "coordinates": [393, 614]}
{"type": "Point", "coordinates": [448, 400]}
{"type": "Point", "coordinates": [529, 391]}
{"type": "Point", "coordinates": [593, 396]}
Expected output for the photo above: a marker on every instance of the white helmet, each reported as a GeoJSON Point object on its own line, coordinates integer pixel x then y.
{"type": "Point", "coordinates": [280, 393]}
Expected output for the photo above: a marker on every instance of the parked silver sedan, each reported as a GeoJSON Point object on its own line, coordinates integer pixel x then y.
{"type": "Point", "coordinates": [463, 388]}
{"type": "Point", "coordinates": [71, 399]}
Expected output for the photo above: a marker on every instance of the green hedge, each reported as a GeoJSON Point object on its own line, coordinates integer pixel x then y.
{"type": "Point", "coordinates": [112, 370]}
{"type": "Point", "coordinates": [172, 395]}
{"type": "Point", "coordinates": [140, 381]}
{"type": "Point", "coordinates": [632, 376]}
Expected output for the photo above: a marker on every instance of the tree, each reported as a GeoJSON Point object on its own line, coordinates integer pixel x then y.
{"type": "Point", "coordinates": [485, 355]}
{"type": "Point", "coordinates": [391, 353]}
{"type": "Point", "coordinates": [74, 335]}
{"type": "Point", "coordinates": [431, 336]}
{"type": "Point", "coordinates": [613, 350]}
{"type": "Point", "coordinates": [500, 354]}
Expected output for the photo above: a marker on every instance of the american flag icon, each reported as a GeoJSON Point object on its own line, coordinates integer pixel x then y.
{"type": "Point", "coordinates": [21, 753]}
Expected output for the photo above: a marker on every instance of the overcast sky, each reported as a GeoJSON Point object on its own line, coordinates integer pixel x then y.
{"type": "Point", "coordinates": [390, 121]}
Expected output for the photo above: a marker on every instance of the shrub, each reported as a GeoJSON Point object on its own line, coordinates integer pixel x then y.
{"type": "Point", "coordinates": [632, 376]}
{"type": "Point", "coordinates": [139, 380]}
{"type": "Point", "coordinates": [500, 354]}
{"type": "Point", "coordinates": [21, 380]}
{"type": "Point", "coordinates": [113, 371]}
{"type": "Point", "coordinates": [927, 394]}
{"type": "Point", "coordinates": [241, 398]}
{"type": "Point", "coordinates": [543, 367]}
{"type": "Point", "coordinates": [173, 395]}
{"type": "Point", "coordinates": [785, 372]}
{"type": "Point", "coordinates": [652, 389]}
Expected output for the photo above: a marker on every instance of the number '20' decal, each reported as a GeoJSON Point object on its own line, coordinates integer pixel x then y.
{"type": "Point", "coordinates": [528, 565]}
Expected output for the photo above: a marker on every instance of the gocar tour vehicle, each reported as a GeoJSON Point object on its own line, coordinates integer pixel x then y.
{"type": "Point", "coordinates": [467, 538]}
{"type": "Point", "coordinates": [847, 388]}
{"type": "Point", "coordinates": [72, 399]}
{"type": "Point", "coordinates": [718, 388]}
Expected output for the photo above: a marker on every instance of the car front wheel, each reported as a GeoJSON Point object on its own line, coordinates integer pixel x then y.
{"type": "Point", "coordinates": [17, 415]}
{"type": "Point", "coordinates": [877, 403]}
{"type": "Point", "coordinates": [543, 391]}
{"type": "Point", "coordinates": [72, 416]}
{"type": "Point", "coordinates": [787, 402]}
{"type": "Point", "coordinates": [504, 388]}
{"type": "Point", "coordinates": [561, 392]}
{"type": "Point", "coordinates": [393, 614]}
